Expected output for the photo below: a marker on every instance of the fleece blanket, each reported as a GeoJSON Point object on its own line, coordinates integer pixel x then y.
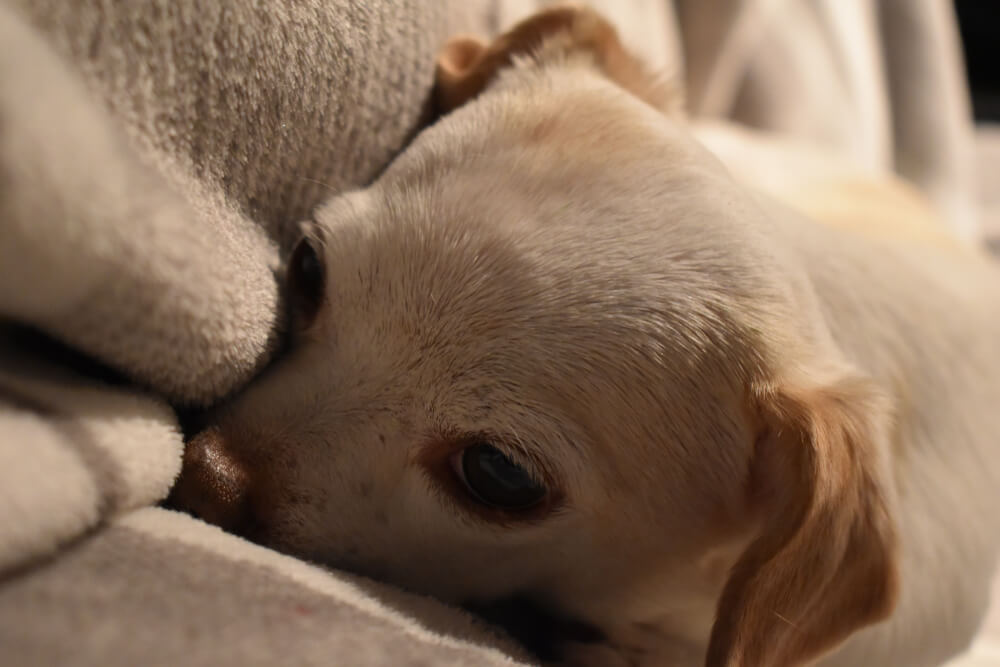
{"type": "Point", "coordinates": [155, 160]}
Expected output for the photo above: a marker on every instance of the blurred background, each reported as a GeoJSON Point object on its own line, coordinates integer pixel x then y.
{"type": "Point", "coordinates": [979, 23]}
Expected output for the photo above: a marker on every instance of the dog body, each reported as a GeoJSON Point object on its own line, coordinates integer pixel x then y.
{"type": "Point", "coordinates": [889, 277]}
{"type": "Point", "coordinates": [764, 440]}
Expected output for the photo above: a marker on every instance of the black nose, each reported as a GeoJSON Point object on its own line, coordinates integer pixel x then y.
{"type": "Point", "coordinates": [213, 485]}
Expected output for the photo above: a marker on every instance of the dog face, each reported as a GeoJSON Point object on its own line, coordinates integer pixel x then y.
{"type": "Point", "coordinates": [547, 357]}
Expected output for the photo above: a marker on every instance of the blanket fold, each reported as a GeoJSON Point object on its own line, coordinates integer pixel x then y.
{"type": "Point", "coordinates": [74, 453]}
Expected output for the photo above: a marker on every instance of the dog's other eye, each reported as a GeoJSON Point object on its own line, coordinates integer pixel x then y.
{"type": "Point", "coordinates": [306, 282]}
{"type": "Point", "coordinates": [496, 481]}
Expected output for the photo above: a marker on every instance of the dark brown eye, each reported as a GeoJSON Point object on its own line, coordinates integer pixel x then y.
{"type": "Point", "coordinates": [306, 282]}
{"type": "Point", "coordinates": [493, 479]}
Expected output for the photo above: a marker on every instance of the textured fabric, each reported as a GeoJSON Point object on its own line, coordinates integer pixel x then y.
{"type": "Point", "coordinates": [155, 160]}
{"type": "Point", "coordinates": [74, 453]}
{"type": "Point", "coordinates": [199, 134]}
{"type": "Point", "coordinates": [159, 588]}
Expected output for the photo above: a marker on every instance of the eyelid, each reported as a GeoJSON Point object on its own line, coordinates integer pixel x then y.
{"type": "Point", "coordinates": [517, 457]}
{"type": "Point", "coordinates": [455, 461]}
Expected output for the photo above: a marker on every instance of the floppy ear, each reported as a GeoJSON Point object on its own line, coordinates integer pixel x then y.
{"type": "Point", "coordinates": [467, 65]}
{"type": "Point", "coordinates": [823, 564]}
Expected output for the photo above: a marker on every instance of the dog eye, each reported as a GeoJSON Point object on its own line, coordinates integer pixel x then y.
{"type": "Point", "coordinates": [306, 281]}
{"type": "Point", "coordinates": [494, 480]}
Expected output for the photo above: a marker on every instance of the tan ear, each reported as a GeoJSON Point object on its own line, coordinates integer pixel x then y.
{"type": "Point", "coordinates": [467, 65]}
{"type": "Point", "coordinates": [824, 563]}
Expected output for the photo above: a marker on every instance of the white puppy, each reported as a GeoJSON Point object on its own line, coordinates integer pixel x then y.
{"type": "Point", "coordinates": [558, 355]}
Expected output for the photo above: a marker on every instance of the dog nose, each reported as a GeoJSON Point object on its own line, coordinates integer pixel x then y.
{"type": "Point", "coordinates": [213, 484]}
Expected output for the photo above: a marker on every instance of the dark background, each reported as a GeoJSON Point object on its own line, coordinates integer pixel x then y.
{"type": "Point", "coordinates": [979, 23]}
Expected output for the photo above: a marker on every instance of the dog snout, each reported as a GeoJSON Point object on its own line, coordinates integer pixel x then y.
{"type": "Point", "coordinates": [213, 484]}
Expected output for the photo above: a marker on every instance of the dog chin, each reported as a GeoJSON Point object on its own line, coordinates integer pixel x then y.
{"type": "Point", "coordinates": [547, 633]}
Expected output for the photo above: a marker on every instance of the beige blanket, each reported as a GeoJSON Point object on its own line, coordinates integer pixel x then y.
{"type": "Point", "coordinates": [155, 159]}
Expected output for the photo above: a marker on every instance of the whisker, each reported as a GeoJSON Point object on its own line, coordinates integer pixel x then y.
{"type": "Point", "coordinates": [325, 185]}
{"type": "Point", "coordinates": [785, 620]}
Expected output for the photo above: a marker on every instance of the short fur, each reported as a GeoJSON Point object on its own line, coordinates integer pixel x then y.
{"type": "Point", "coordinates": [771, 441]}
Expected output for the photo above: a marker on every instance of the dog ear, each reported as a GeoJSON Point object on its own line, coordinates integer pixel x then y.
{"type": "Point", "coordinates": [824, 562]}
{"type": "Point", "coordinates": [467, 65]}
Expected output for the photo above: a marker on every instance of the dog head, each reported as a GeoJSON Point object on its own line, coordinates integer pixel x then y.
{"type": "Point", "coordinates": [556, 354]}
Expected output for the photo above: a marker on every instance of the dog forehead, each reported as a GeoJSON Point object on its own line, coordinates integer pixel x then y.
{"type": "Point", "coordinates": [571, 114]}
{"type": "Point", "coordinates": [470, 304]}
{"type": "Point", "coordinates": [487, 267]}
{"type": "Point", "coordinates": [512, 230]}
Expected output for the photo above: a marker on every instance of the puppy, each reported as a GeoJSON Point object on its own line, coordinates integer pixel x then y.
{"type": "Point", "coordinates": [558, 355]}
